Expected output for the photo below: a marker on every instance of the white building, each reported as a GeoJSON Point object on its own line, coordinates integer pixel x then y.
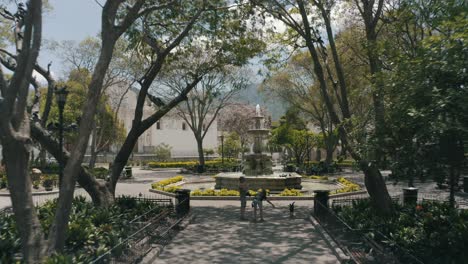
{"type": "Point", "coordinates": [170, 129]}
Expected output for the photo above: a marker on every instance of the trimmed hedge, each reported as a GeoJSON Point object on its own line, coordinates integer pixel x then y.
{"type": "Point", "coordinates": [290, 192]}
{"type": "Point", "coordinates": [349, 186]}
{"type": "Point", "coordinates": [162, 185]}
{"type": "Point", "coordinates": [217, 164]}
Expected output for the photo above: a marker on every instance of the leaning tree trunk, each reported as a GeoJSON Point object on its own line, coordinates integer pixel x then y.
{"type": "Point", "coordinates": [201, 156]}
{"type": "Point", "coordinates": [122, 156]}
{"type": "Point", "coordinates": [98, 191]}
{"type": "Point", "coordinates": [16, 156]}
{"type": "Point", "coordinates": [377, 189]}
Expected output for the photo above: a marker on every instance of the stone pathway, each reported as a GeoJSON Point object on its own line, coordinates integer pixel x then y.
{"type": "Point", "coordinates": [217, 236]}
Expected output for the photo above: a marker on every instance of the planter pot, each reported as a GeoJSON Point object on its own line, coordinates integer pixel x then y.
{"type": "Point", "coordinates": [48, 188]}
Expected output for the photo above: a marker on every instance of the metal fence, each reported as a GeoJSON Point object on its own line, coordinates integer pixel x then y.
{"type": "Point", "coordinates": [148, 232]}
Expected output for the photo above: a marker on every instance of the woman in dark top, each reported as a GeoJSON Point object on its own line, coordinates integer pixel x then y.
{"type": "Point", "coordinates": [258, 202]}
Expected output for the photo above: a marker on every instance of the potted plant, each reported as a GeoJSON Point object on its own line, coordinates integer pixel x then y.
{"type": "Point", "coordinates": [48, 183]}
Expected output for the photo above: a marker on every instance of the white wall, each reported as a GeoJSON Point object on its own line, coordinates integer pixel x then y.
{"type": "Point", "coordinates": [183, 142]}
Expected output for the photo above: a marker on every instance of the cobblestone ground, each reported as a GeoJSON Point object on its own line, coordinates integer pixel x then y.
{"type": "Point", "coordinates": [217, 236]}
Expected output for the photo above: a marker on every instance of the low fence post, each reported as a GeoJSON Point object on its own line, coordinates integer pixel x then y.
{"type": "Point", "coordinates": [410, 195]}
{"type": "Point", "coordinates": [321, 202]}
{"type": "Point", "coordinates": [182, 201]}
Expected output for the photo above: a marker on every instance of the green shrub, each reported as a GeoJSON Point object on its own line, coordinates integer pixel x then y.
{"type": "Point", "coordinates": [92, 230]}
{"type": "Point", "coordinates": [162, 152]}
{"type": "Point", "coordinates": [216, 164]}
{"type": "Point", "coordinates": [433, 232]}
{"type": "Point", "coordinates": [290, 192]}
{"type": "Point", "coordinates": [100, 173]}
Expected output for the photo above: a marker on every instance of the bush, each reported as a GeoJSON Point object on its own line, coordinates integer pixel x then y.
{"type": "Point", "coordinates": [211, 192]}
{"type": "Point", "coordinates": [216, 164]}
{"type": "Point", "coordinates": [432, 231]}
{"type": "Point", "coordinates": [100, 173]}
{"type": "Point", "coordinates": [92, 230]}
{"type": "Point", "coordinates": [290, 192]}
{"type": "Point", "coordinates": [162, 152]}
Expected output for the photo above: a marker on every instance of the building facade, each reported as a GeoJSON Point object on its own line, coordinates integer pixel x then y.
{"type": "Point", "coordinates": [171, 129]}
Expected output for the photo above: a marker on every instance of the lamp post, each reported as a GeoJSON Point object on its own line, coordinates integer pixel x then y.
{"type": "Point", "coordinates": [61, 99]}
{"type": "Point", "coordinates": [222, 148]}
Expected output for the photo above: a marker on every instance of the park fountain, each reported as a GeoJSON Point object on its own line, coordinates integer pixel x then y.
{"type": "Point", "coordinates": [257, 165]}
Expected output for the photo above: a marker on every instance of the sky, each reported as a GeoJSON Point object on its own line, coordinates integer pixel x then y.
{"type": "Point", "coordinates": [69, 20]}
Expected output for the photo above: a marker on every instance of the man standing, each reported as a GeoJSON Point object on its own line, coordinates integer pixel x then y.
{"type": "Point", "coordinates": [243, 192]}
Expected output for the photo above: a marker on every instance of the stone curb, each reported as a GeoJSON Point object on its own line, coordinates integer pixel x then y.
{"type": "Point", "coordinates": [337, 251]}
{"type": "Point", "coordinates": [7, 194]}
{"type": "Point", "coordinates": [273, 198]}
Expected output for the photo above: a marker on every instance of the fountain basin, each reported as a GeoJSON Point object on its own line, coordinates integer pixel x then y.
{"type": "Point", "coordinates": [274, 182]}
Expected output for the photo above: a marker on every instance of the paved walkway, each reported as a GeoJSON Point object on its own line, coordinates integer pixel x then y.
{"type": "Point", "coordinates": [217, 236]}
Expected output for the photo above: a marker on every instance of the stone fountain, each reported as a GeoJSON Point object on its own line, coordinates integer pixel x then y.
{"type": "Point", "coordinates": [257, 165]}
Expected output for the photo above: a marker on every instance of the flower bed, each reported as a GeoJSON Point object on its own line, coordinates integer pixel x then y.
{"type": "Point", "coordinates": [217, 164]}
{"type": "Point", "coordinates": [433, 232]}
{"type": "Point", "coordinates": [162, 185]}
{"type": "Point", "coordinates": [349, 186]}
{"type": "Point", "coordinates": [290, 192]}
{"type": "Point", "coordinates": [92, 231]}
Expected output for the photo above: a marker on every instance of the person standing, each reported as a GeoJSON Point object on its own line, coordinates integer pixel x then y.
{"type": "Point", "coordinates": [258, 203]}
{"type": "Point", "coordinates": [243, 192]}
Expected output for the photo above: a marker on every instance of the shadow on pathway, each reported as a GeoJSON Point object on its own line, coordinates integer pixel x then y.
{"type": "Point", "coordinates": [217, 236]}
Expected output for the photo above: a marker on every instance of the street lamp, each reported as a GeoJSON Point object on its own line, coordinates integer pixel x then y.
{"type": "Point", "coordinates": [222, 148]}
{"type": "Point", "coordinates": [61, 99]}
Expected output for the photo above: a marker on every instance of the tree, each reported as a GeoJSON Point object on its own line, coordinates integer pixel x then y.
{"type": "Point", "coordinates": [112, 28]}
{"type": "Point", "coordinates": [231, 146]}
{"type": "Point", "coordinates": [304, 31]}
{"type": "Point", "coordinates": [206, 100]}
{"type": "Point", "coordinates": [427, 90]}
{"type": "Point", "coordinates": [294, 85]}
{"type": "Point", "coordinates": [14, 126]}
{"type": "Point", "coordinates": [293, 136]}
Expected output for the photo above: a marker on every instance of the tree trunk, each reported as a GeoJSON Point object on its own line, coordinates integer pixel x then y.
{"type": "Point", "coordinates": [201, 156]}
{"type": "Point", "coordinates": [122, 156]}
{"type": "Point", "coordinates": [377, 189]}
{"type": "Point", "coordinates": [16, 154]}
{"type": "Point", "coordinates": [329, 155]}
{"type": "Point", "coordinates": [99, 193]}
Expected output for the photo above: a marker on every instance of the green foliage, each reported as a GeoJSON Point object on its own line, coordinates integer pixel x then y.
{"type": "Point", "coordinates": [290, 192]}
{"type": "Point", "coordinates": [92, 230]}
{"type": "Point", "coordinates": [3, 178]}
{"type": "Point", "coordinates": [162, 152]}
{"type": "Point", "coordinates": [432, 231]}
{"type": "Point", "coordinates": [211, 165]}
{"type": "Point", "coordinates": [110, 130]}
{"type": "Point", "coordinates": [427, 121]}
{"type": "Point", "coordinates": [232, 146]}
{"type": "Point", "coordinates": [100, 172]}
